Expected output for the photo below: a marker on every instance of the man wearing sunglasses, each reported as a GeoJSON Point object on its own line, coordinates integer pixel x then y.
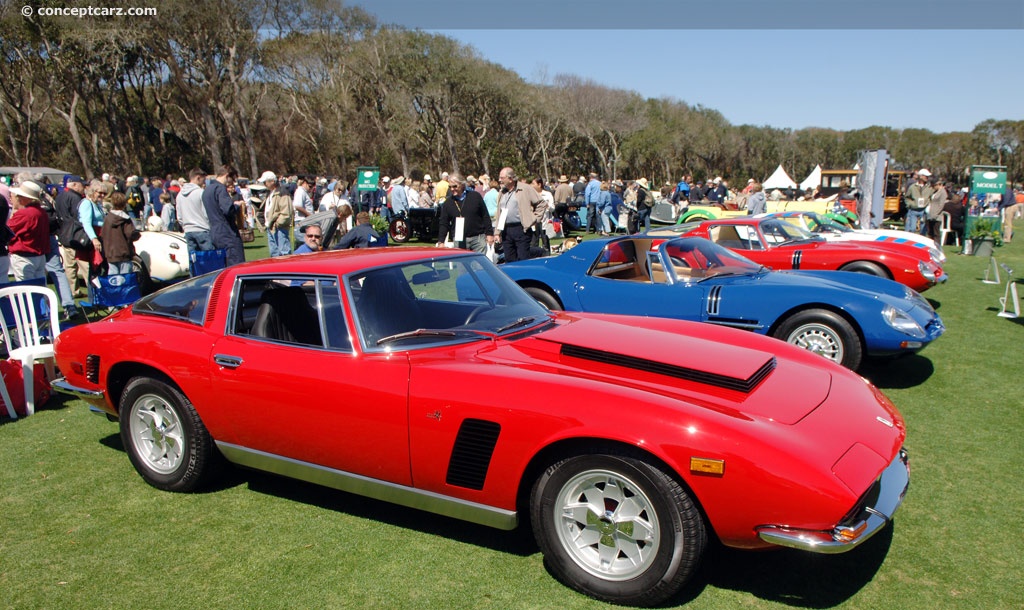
{"type": "Point", "coordinates": [311, 239]}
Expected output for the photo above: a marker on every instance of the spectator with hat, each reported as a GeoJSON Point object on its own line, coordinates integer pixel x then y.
{"type": "Point", "coordinates": [644, 203]}
{"type": "Point", "coordinates": [30, 232]}
{"type": "Point", "coordinates": [716, 194]}
{"type": "Point", "coordinates": [278, 214]}
{"type": "Point", "coordinates": [398, 200]}
{"type": "Point", "coordinates": [919, 195]}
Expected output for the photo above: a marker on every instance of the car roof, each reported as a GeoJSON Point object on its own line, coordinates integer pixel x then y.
{"type": "Point", "coordinates": [340, 262]}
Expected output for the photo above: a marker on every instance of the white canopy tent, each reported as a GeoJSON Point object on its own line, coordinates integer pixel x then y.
{"type": "Point", "coordinates": [779, 180]}
{"type": "Point", "coordinates": [812, 180]}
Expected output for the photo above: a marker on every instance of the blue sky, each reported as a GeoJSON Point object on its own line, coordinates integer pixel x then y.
{"type": "Point", "coordinates": [942, 80]}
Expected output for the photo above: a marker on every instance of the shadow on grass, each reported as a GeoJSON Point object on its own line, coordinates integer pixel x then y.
{"type": "Point", "coordinates": [57, 402]}
{"type": "Point", "coordinates": [517, 542]}
{"type": "Point", "coordinates": [796, 578]}
{"type": "Point", "coordinates": [898, 373]}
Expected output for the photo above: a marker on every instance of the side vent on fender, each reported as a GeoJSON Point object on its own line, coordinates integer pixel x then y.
{"type": "Point", "coordinates": [471, 454]}
{"type": "Point", "coordinates": [214, 297]}
{"type": "Point", "coordinates": [92, 368]}
{"type": "Point", "coordinates": [679, 372]}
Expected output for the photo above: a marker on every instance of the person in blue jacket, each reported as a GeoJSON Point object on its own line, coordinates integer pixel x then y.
{"type": "Point", "coordinates": [222, 213]}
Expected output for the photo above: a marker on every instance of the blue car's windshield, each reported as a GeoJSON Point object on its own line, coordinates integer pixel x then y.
{"type": "Point", "coordinates": [696, 258]}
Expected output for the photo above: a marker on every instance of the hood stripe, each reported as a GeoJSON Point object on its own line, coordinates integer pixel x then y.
{"type": "Point", "coordinates": [679, 372]}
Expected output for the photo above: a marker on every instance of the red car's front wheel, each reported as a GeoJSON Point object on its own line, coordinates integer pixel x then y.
{"type": "Point", "coordinates": [617, 528]}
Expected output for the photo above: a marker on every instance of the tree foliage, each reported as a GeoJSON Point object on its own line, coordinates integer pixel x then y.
{"type": "Point", "coordinates": [314, 85]}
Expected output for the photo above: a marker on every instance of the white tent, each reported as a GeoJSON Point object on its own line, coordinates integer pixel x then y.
{"type": "Point", "coordinates": [813, 180]}
{"type": "Point", "coordinates": [779, 180]}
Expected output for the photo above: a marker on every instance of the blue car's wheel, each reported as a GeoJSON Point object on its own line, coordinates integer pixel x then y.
{"type": "Point", "coordinates": [825, 333]}
{"type": "Point", "coordinates": [545, 298]}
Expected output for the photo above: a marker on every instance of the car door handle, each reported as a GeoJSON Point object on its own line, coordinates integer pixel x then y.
{"type": "Point", "coordinates": [228, 362]}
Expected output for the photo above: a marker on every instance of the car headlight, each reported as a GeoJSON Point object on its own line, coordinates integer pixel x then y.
{"type": "Point", "coordinates": [902, 322]}
{"type": "Point", "coordinates": [915, 297]}
{"type": "Point", "coordinates": [938, 256]}
{"type": "Point", "coordinates": [926, 271]}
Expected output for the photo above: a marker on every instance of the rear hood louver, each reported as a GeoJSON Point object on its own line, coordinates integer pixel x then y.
{"type": "Point", "coordinates": [679, 372]}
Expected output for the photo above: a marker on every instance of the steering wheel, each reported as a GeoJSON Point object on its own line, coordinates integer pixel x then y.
{"type": "Point", "coordinates": [678, 262]}
{"type": "Point", "coordinates": [475, 314]}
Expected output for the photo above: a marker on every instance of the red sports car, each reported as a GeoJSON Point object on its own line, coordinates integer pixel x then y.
{"type": "Point", "coordinates": [778, 244]}
{"type": "Point", "coordinates": [427, 378]}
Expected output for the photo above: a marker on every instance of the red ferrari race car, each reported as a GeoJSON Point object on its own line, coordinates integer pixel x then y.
{"type": "Point", "coordinates": [428, 378]}
{"type": "Point", "coordinates": [778, 244]}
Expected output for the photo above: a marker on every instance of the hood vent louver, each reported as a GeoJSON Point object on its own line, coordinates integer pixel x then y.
{"type": "Point", "coordinates": [679, 372]}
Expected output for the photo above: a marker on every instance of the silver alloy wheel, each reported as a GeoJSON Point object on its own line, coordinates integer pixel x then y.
{"type": "Point", "coordinates": [820, 339]}
{"type": "Point", "coordinates": [607, 524]}
{"type": "Point", "coordinates": [157, 434]}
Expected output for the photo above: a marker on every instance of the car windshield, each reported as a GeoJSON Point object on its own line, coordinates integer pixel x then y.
{"type": "Point", "coordinates": [186, 300]}
{"type": "Point", "coordinates": [777, 232]}
{"type": "Point", "coordinates": [819, 224]}
{"type": "Point", "coordinates": [695, 259]}
{"type": "Point", "coordinates": [439, 301]}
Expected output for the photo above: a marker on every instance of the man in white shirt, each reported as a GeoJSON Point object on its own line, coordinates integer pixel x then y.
{"type": "Point", "coordinates": [302, 202]}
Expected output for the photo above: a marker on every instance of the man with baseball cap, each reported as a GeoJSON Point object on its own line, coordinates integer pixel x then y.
{"type": "Point", "coordinates": [30, 229]}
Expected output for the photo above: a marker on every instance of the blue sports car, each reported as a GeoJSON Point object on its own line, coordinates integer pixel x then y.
{"type": "Point", "coordinates": [842, 316]}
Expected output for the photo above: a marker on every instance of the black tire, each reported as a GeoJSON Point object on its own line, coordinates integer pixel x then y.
{"type": "Point", "coordinates": [145, 281]}
{"type": "Point", "coordinates": [825, 333]}
{"type": "Point", "coordinates": [545, 298]}
{"type": "Point", "coordinates": [164, 437]}
{"type": "Point", "coordinates": [665, 525]}
{"type": "Point", "coordinates": [399, 230]}
{"type": "Point", "coordinates": [866, 267]}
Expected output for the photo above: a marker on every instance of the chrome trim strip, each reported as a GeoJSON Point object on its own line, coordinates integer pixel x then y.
{"type": "Point", "coordinates": [741, 325]}
{"type": "Point", "coordinates": [894, 481]}
{"type": "Point", "coordinates": [714, 300]}
{"type": "Point", "coordinates": [64, 387]}
{"type": "Point", "coordinates": [371, 488]}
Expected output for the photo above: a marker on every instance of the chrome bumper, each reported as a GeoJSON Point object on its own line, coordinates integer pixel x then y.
{"type": "Point", "coordinates": [90, 396]}
{"type": "Point", "coordinates": [890, 489]}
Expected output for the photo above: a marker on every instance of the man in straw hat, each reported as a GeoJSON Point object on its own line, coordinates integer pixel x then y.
{"type": "Point", "coordinates": [644, 203]}
{"type": "Point", "coordinates": [30, 229]}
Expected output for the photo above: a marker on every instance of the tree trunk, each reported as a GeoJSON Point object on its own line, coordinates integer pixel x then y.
{"type": "Point", "coordinates": [76, 136]}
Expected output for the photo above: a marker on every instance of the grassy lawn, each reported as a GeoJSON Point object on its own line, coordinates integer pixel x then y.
{"type": "Point", "coordinates": [80, 529]}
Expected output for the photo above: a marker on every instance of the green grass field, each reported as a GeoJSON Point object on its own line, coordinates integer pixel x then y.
{"type": "Point", "coordinates": [79, 528]}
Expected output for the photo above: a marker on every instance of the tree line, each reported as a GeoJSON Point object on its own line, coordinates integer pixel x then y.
{"type": "Point", "coordinates": [316, 86]}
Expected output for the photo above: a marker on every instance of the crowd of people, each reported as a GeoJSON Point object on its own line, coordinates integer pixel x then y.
{"type": "Point", "coordinates": [74, 231]}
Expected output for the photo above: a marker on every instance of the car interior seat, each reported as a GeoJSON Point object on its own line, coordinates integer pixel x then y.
{"type": "Point", "coordinates": [286, 315]}
{"type": "Point", "coordinates": [386, 306]}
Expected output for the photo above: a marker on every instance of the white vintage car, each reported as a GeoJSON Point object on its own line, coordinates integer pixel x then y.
{"type": "Point", "coordinates": [823, 227]}
{"type": "Point", "coordinates": [160, 256]}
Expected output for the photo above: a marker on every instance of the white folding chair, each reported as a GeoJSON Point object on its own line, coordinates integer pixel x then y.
{"type": "Point", "coordinates": [947, 228]}
{"type": "Point", "coordinates": [22, 321]}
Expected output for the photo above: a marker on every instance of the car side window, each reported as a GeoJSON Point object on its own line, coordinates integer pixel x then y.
{"type": "Point", "coordinates": [292, 310]}
{"type": "Point", "coordinates": [748, 238]}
